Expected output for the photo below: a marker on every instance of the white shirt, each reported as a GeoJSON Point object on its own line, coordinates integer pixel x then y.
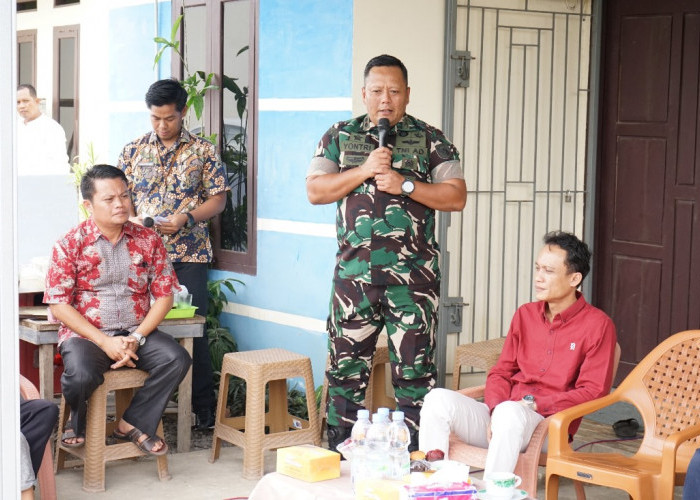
{"type": "Point", "coordinates": [41, 147]}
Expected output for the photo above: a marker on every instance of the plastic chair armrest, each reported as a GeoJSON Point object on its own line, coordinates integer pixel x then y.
{"type": "Point", "coordinates": [671, 444]}
{"type": "Point", "coordinates": [560, 422]}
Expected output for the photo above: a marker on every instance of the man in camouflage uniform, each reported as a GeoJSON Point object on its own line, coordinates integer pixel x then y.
{"type": "Point", "coordinates": [387, 273]}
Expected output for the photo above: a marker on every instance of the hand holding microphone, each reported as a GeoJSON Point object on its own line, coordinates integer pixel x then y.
{"type": "Point", "coordinates": [149, 220]}
{"type": "Point", "coordinates": [387, 179]}
{"type": "Point", "coordinates": [383, 131]}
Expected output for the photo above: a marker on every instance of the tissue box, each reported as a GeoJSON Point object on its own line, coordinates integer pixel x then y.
{"type": "Point", "coordinates": [377, 489]}
{"type": "Point", "coordinates": [308, 463]}
{"type": "Point", "coordinates": [462, 490]}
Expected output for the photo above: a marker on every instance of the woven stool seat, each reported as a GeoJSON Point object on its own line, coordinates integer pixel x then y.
{"type": "Point", "coordinates": [259, 368]}
{"type": "Point", "coordinates": [482, 355]}
{"type": "Point", "coordinates": [96, 453]}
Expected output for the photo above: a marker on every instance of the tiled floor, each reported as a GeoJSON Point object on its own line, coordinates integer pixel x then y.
{"type": "Point", "coordinates": [193, 477]}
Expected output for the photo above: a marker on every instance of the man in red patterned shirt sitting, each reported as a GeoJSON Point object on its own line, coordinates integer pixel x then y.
{"type": "Point", "coordinates": [101, 277]}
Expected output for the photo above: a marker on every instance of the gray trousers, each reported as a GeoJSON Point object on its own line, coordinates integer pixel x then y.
{"type": "Point", "coordinates": [84, 364]}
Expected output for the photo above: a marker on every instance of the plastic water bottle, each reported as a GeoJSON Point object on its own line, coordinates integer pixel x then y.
{"type": "Point", "coordinates": [378, 448]}
{"type": "Point", "coordinates": [399, 439]}
{"type": "Point", "coordinates": [359, 452]}
{"type": "Point", "coordinates": [384, 413]}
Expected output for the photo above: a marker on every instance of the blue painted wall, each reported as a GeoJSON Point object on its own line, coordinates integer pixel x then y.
{"type": "Point", "coordinates": [286, 143]}
{"type": "Point", "coordinates": [305, 51]}
{"type": "Point", "coordinates": [131, 70]}
{"type": "Point", "coordinates": [305, 48]}
{"type": "Point", "coordinates": [132, 49]}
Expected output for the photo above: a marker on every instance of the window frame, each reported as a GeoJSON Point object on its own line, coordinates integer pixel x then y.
{"type": "Point", "coordinates": [33, 6]}
{"type": "Point", "coordinates": [60, 33]}
{"type": "Point", "coordinates": [212, 119]}
{"type": "Point", "coordinates": [27, 36]}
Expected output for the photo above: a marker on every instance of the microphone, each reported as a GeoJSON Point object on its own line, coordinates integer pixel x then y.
{"type": "Point", "coordinates": [148, 221]}
{"type": "Point", "coordinates": [382, 131]}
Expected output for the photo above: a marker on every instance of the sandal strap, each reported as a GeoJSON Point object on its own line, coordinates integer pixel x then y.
{"type": "Point", "coordinates": [149, 443]}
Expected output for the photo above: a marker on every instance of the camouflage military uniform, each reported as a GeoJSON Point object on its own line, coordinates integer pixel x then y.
{"type": "Point", "coordinates": [387, 272]}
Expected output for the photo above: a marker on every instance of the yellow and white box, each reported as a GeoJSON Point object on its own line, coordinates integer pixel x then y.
{"type": "Point", "coordinates": [308, 463]}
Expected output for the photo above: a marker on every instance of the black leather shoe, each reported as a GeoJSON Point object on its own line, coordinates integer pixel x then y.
{"type": "Point", "coordinates": [204, 420]}
{"type": "Point", "coordinates": [337, 435]}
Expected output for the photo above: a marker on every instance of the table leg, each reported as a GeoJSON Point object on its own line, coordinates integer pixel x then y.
{"type": "Point", "coordinates": [184, 405]}
{"type": "Point", "coordinates": [46, 371]}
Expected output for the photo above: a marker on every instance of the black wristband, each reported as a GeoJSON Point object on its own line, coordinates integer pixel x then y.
{"type": "Point", "coordinates": [190, 220]}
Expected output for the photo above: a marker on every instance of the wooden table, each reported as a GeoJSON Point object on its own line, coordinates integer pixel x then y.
{"type": "Point", "coordinates": [45, 335]}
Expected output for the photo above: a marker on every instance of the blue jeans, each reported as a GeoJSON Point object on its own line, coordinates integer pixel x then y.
{"type": "Point", "coordinates": [691, 488]}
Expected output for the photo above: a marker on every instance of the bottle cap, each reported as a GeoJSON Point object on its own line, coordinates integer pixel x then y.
{"type": "Point", "coordinates": [397, 415]}
{"type": "Point", "coordinates": [362, 414]}
{"type": "Point", "coordinates": [383, 411]}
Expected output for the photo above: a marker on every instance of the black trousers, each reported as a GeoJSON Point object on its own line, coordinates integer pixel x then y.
{"type": "Point", "coordinates": [37, 419]}
{"type": "Point", "coordinates": [194, 276]}
{"type": "Point", "coordinates": [84, 365]}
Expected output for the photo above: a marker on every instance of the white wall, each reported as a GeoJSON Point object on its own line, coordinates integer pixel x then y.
{"type": "Point", "coordinates": [413, 31]}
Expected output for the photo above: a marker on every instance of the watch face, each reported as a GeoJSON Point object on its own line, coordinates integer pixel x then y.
{"type": "Point", "coordinates": [407, 187]}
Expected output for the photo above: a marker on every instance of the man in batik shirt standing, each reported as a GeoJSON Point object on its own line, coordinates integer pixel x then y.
{"type": "Point", "coordinates": [177, 178]}
{"type": "Point", "coordinates": [387, 273]}
{"type": "Point", "coordinates": [99, 284]}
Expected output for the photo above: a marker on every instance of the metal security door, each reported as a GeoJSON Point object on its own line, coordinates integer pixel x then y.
{"type": "Point", "coordinates": [518, 116]}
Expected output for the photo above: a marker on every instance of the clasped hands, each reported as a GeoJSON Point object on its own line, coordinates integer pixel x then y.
{"type": "Point", "coordinates": [378, 165]}
{"type": "Point", "coordinates": [122, 350]}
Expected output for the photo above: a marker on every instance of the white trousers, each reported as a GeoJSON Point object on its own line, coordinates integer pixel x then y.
{"type": "Point", "coordinates": [512, 424]}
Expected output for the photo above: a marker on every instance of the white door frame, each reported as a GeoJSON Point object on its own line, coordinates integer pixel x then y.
{"type": "Point", "coordinates": [9, 334]}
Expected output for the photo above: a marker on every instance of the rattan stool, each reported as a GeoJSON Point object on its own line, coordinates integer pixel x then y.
{"type": "Point", "coordinates": [481, 355]}
{"type": "Point", "coordinates": [258, 368]}
{"type": "Point", "coordinates": [376, 394]}
{"type": "Point", "coordinates": [96, 453]}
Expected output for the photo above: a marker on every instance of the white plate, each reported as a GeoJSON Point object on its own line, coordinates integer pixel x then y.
{"type": "Point", "coordinates": [517, 495]}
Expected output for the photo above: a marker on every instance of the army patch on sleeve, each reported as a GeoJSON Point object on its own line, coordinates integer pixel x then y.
{"type": "Point", "coordinates": [444, 151]}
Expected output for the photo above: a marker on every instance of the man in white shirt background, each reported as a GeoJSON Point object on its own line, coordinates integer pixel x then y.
{"type": "Point", "coordinates": [41, 141]}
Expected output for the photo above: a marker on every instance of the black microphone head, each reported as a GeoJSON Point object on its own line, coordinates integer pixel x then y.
{"type": "Point", "coordinates": [148, 221]}
{"type": "Point", "coordinates": [382, 131]}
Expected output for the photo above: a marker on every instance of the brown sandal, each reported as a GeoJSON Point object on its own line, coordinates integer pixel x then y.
{"type": "Point", "coordinates": [146, 445]}
{"type": "Point", "coordinates": [70, 434]}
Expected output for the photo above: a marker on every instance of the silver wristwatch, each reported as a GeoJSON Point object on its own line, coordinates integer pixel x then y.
{"type": "Point", "coordinates": [529, 400]}
{"type": "Point", "coordinates": [407, 187]}
{"type": "Point", "coordinates": [140, 338]}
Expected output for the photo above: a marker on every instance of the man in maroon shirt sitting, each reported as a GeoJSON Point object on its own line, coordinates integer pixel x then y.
{"type": "Point", "coordinates": [559, 352]}
{"type": "Point", "coordinates": [99, 284]}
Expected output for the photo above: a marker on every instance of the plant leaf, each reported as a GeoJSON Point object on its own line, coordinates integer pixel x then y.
{"type": "Point", "coordinates": [176, 26]}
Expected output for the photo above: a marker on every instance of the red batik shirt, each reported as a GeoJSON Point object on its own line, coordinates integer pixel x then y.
{"type": "Point", "coordinates": [109, 284]}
